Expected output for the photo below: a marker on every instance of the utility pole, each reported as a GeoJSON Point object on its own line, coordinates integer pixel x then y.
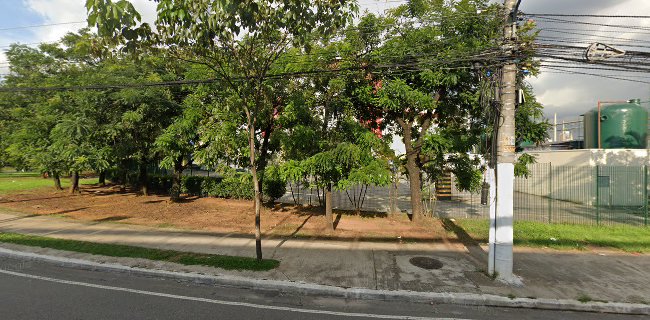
{"type": "Point", "coordinates": [501, 224]}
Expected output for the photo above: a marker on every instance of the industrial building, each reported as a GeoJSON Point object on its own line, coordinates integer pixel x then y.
{"type": "Point", "coordinates": [605, 165]}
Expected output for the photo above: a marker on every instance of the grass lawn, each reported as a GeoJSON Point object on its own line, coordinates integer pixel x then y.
{"type": "Point", "coordinates": [113, 250]}
{"type": "Point", "coordinates": [18, 174]}
{"type": "Point", "coordinates": [560, 236]}
{"type": "Point", "coordinates": [22, 181]}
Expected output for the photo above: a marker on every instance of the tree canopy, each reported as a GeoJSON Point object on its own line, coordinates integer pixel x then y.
{"type": "Point", "coordinates": [268, 93]}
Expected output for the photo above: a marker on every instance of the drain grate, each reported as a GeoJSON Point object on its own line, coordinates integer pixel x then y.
{"type": "Point", "coordinates": [426, 263]}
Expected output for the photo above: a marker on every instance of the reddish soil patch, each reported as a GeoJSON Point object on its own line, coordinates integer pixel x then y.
{"type": "Point", "coordinates": [108, 204]}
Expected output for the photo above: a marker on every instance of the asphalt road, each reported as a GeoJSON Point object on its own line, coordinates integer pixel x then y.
{"type": "Point", "coordinates": [38, 290]}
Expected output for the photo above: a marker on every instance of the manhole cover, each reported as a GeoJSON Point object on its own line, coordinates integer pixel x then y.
{"type": "Point", "coordinates": [426, 263]}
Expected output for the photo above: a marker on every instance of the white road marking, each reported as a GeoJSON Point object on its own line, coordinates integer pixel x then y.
{"type": "Point", "coordinates": [221, 302]}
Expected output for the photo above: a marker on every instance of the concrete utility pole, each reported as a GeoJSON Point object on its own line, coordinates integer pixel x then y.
{"type": "Point", "coordinates": [501, 223]}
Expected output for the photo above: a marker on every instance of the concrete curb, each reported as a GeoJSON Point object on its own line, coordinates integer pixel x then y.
{"type": "Point", "coordinates": [301, 288]}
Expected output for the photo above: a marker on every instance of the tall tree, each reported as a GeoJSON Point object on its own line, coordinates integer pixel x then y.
{"type": "Point", "coordinates": [52, 129]}
{"type": "Point", "coordinates": [425, 80]}
{"type": "Point", "coordinates": [240, 41]}
{"type": "Point", "coordinates": [181, 142]}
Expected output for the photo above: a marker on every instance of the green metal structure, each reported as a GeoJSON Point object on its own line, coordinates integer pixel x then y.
{"type": "Point", "coordinates": [590, 119]}
{"type": "Point", "coordinates": [622, 126]}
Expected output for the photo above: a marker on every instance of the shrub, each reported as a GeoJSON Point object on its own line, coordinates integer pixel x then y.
{"type": "Point", "coordinates": [160, 183]}
{"type": "Point", "coordinates": [274, 185]}
{"type": "Point", "coordinates": [236, 186]}
{"type": "Point", "coordinates": [209, 186]}
{"type": "Point", "coordinates": [233, 186]}
{"type": "Point", "coordinates": [193, 185]}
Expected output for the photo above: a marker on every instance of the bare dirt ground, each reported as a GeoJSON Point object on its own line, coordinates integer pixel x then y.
{"type": "Point", "coordinates": [108, 204]}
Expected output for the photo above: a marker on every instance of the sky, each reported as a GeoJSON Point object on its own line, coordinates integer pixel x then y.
{"type": "Point", "coordinates": [571, 95]}
{"type": "Point", "coordinates": [566, 95]}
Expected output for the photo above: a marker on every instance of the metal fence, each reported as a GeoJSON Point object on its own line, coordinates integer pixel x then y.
{"type": "Point", "coordinates": [594, 195]}
{"type": "Point", "coordinates": [590, 195]}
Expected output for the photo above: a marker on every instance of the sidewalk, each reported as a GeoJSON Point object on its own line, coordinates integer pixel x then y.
{"type": "Point", "coordinates": [547, 274]}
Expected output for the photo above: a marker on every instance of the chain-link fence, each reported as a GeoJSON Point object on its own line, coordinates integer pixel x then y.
{"type": "Point", "coordinates": [591, 195]}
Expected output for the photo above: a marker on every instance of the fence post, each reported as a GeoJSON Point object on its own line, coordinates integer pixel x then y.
{"type": "Point", "coordinates": [597, 195]}
{"type": "Point", "coordinates": [645, 195]}
{"type": "Point", "coordinates": [550, 192]}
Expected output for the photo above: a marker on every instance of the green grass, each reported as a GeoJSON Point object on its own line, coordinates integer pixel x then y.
{"type": "Point", "coordinates": [18, 174]}
{"type": "Point", "coordinates": [12, 183]}
{"type": "Point", "coordinates": [584, 298]}
{"type": "Point", "coordinates": [114, 250]}
{"type": "Point", "coordinates": [560, 236]}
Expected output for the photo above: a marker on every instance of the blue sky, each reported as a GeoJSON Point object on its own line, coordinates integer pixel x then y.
{"type": "Point", "coordinates": [16, 13]}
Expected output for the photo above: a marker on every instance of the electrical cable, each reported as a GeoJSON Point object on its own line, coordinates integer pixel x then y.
{"type": "Point", "coordinates": [41, 25]}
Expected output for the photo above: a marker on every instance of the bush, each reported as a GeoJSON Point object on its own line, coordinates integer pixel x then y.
{"type": "Point", "coordinates": [159, 183]}
{"type": "Point", "coordinates": [236, 186]}
{"type": "Point", "coordinates": [233, 186]}
{"type": "Point", "coordinates": [273, 185]}
{"type": "Point", "coordinates": [193, 185]}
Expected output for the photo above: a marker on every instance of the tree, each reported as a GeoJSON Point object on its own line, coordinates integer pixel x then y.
{"type": "Point", "coordinates": [426, 81]}
{"type": "Point", "coordinates": [240, 41]}
{"type": "Point", "coordinates": [28, 144]}
{"type": "Point", "coordinates": [142, 114]}
{"type": "Point", "coordinates": [181, 140]}
{"type": "Point", "coordinates": [348, 162]}
{"type": "Point", "coordinates": [52, 130]}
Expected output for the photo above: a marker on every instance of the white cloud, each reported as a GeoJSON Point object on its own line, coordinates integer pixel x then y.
{"type": "Point", "coordinates": [56, 11]}
{"type": "Point", "coordinates": [571, 95]}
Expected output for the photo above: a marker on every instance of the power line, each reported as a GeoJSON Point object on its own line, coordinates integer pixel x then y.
{"type": "Point", "coordinates": [594, 30]}
{"type": "Point", "coordinates": [598, 75]}
{"type": "Point", "coordinates": [574, 41]}
{"type": "Point", "coordinates": [597, 36]}
{"type": "Point", "coordinates": [42, 25]}
{"type": "Point", "coordinates": [556, 20]}
{"type": "Point", "coordinates": [416, 66]}
{"type": "Point", "coordinates": [584, 15]}
{"type": "Point", "coordinates": [560, 65]}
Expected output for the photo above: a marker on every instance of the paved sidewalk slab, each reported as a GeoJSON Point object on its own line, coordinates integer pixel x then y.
{"type": "Point", "coordinates": [372, 265]}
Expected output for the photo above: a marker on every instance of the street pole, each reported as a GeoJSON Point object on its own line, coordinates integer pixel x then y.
{"type": "Point", "coordinates": [555, 128]}
{"type": "Point", "coordinates": [505, 168]}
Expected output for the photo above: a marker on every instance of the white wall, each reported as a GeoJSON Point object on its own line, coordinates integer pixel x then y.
{"type": "Point", "coordinates": [571, 176]}
{"type": "Point", "coordinates": [592, 157]}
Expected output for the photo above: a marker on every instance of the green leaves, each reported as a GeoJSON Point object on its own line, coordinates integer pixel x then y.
{"type": "Point", "coordinates": [111, 17]}
{"type": "Point", "coordinates": [521, 166]}
{"type": "Point", "coordinates": [397, 96]}
{"type": "Point", "coordinates": [529, 119]}
{"type": "Point", "coordinates": [375, 173]}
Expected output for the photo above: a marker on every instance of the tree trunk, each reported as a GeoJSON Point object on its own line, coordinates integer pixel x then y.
{"type": "Point", "coordinates": [177, 176]}
{"type": "Point", "coordinates": [258, 209]}
{"type": "Point", "coordinates": [256, 185]}
{"type": "Point", "coordinates": [415, 184]}
{"type": "Point", "coordinates": [413, 168]}
{"type": "Point", "coordinates": [143, 178]}
{"type": "Point", "coordinates": [413, 164]}
{"type": "Point", "coordinates": [102, 178]}
{"type": "Point", "coordinates": [74, 182]}
{"type": "Point", "coordinates": [122, 175]}
{"type": "Point", "coordinates": [57, 180]}
{"type": "Point", "coordinates": [328, 207]}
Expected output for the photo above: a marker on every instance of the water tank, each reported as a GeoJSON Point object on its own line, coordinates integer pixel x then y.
{"type": "Point", "coordinates": [591, 129]}
{"type": "Point", "coordinates": [622, 126]}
